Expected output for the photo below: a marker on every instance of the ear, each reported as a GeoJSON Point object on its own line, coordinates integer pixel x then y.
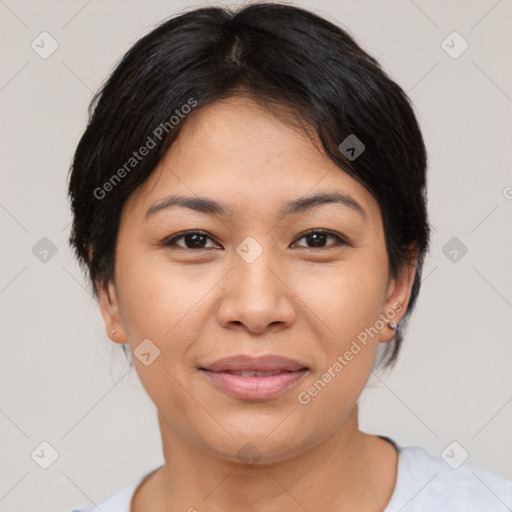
{"type": "Point", "coordinates": [109, 306]}
{"type": "Point", "coordinates": [397, 296]}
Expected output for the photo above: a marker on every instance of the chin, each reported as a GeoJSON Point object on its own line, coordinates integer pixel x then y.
{"type": "Point", "coordinates": [257, 444]}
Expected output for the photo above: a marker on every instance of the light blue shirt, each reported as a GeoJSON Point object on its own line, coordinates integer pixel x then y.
{"type": "Point", "coordinates": [424, 483]}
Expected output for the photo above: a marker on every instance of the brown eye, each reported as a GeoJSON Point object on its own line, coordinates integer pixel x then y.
{"type": "Point", "coordinates": [317, 239]}
{"type": "Point", "coordinates": [191, 239]}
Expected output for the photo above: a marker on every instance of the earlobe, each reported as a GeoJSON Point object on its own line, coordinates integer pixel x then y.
{"type": "Point", "coordinates": [391, 317]}
{"type": "Point", "coordinates": [109, 307]}
{"type": "Point", "coordinates": [397, 299]}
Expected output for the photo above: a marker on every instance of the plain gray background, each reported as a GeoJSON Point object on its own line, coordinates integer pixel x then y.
{"type": "Point", "coordinates": [65, 383]}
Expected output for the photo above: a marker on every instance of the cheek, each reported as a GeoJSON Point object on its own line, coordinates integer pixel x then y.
{"type": "Point", "coordinates": [161, 306]}
{"type": "Point", "coordinates": [158, 306]}
{"type": "Point", "coordinates": [158, 299]}
{"type": "Point", "coordinates": [344, 299]}
{"type": "Point", "coordinates": [346, 302]}
{"type": "Point", "coordinates": [348, 305]}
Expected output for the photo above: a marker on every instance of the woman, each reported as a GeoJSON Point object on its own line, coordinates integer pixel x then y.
{"type": "Point", "coordinates": [249, 202]}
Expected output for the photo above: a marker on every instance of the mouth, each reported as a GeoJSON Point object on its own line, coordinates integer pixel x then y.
{"type": "Point", "coordinates": [250, 378]}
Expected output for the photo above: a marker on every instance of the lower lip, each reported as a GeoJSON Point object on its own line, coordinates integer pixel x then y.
{"type": "Point", "coordinates": [254, 388]}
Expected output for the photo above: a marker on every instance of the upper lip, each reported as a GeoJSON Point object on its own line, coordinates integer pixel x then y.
{"type": "Point", "coordinates": [241, 363]}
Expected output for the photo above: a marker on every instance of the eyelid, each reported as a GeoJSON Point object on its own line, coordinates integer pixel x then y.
{"type": "Point", "coordinates": [340, 239]}
{"type": "Point", "coordinates": [168, 242]}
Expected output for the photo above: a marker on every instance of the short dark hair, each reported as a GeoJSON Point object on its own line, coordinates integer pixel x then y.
{"type": "Point", "coordinates": [279, 56]}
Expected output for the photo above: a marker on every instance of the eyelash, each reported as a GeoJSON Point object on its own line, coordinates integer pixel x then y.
{"type": "Point", "coordinates": [340, 240]}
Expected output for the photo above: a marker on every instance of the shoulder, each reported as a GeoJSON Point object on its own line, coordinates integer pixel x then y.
{"type": "Point", "coordinates": [426, 482]}
{"type": "Point", "coordinates": [120, 501]}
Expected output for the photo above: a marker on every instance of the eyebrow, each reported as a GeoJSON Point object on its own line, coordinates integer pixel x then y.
{"type": "Point", "coordinates": [211, 207]}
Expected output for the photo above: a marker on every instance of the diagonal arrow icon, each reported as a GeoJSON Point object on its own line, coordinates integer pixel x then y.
{"type": "Point", "coordinates": [351, 147]}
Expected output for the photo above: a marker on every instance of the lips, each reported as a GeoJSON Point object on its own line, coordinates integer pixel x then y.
{"type": "Point", "coordinates": [251, 378]}
{"type": "Point", "coordinates": [255, 373]}
{"type": "Point", "coordinates": [244, 363]}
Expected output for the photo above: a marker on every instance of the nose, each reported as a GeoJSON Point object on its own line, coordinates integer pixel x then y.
{"type": "Point", "coordinates": [256, 297]}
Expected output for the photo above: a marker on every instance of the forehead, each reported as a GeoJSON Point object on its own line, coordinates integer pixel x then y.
{"type": "Point", "coordinates": [237, 151]}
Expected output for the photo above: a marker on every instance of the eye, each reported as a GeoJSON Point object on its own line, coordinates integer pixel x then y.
{"type": "Point", "coordinates": [318, 237]}
{"type": "Point", "coordinates": [198, 240]}
{"type": "Point", "coordinates": [192, 240]}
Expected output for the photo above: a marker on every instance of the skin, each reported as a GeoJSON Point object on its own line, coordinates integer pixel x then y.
{"type": "Point", "coordinates": [298, 299]}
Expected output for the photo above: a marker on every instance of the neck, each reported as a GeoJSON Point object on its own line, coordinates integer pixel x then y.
{"type": "Point", "coordinates": [349, 470]}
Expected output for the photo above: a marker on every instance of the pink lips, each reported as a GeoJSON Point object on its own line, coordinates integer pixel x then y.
{"type": "Point", "coordinates": [251, 378]}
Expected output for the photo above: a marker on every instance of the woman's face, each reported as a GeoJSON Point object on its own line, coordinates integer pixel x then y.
{"type": "Point", "coordinates": [252, 283]}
